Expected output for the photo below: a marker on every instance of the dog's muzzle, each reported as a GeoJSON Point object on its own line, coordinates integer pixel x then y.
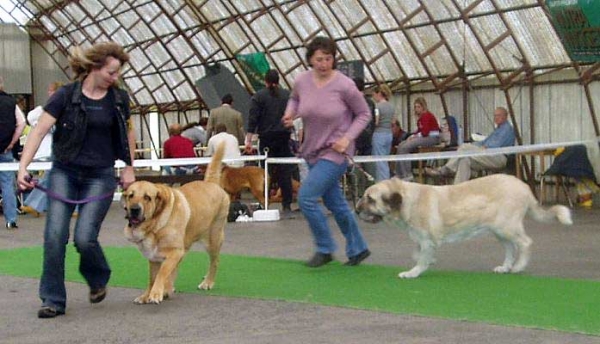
{"type": "Point", "coordinates": [372, 218]}
{"type": "Point", "coordinates": [135, 215]}
{"type": "Point", "coordinates": [365, 215]}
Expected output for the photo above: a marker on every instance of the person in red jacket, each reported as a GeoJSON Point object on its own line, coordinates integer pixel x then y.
{"type": "Point", "coordinates": [177, 146]}
{"type": "Point", "coordinates": [427, 135]}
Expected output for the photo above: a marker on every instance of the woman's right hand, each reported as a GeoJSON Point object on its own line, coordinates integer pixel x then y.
{"type": "Point", "coordinates": [24, 180]}
{"type": "Point", "coordinates": [287, 120]}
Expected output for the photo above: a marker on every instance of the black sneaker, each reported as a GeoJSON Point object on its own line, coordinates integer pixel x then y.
{"type": "Point", "coordinates": [11, 225]}
{"type": "Point", "coordinates": [97, 295]}
{"type": "Point", "coordinates": [355, 260]}
{"type": "Point", "coordinates": [47, 312]}
{"type": "Point", "coordinates": [319, 259]}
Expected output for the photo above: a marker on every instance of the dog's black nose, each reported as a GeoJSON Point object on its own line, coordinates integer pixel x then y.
{"type": "Point", "coordinates": [134, 210]}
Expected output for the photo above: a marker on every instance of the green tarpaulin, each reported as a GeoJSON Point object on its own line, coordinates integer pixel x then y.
{"type": "Point", "coordinates": [255, 66]}
{"type": "Point", "coordinates": [577, 22]}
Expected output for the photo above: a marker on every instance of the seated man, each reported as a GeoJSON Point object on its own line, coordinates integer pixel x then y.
{"type": "Point", "coordinates": [232, 146]}
{"type": "Point", "coordinates": [177, 146]}
{"type": "Point", "coordinates": [196, 132]}
{"type": "Point", "coordinates": [398, 135]}
{"type": "Point", "coordinates": [502, 136]}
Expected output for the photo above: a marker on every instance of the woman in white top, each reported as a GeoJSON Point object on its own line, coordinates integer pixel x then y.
{"type": "Point", "coordinates": [36, 201]}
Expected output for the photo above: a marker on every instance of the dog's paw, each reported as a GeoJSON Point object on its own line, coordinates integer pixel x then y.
{"type": "Point", "coordinates": [156, 296]}
{"type": "Point", "coordinates": [206, 285]}
{"type": "Point", "coordinates": [502, 269]}
{"type": "Point", "coordinates": [141, 300]}
{"type": "Point", "coordinates": [408, 274]}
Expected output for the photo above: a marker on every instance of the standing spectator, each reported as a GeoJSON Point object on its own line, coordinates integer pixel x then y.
{"type": "Point", "coordinates": [266, 111]}
{"type": "Point", "coordinates": [36, 201]}
{"type": "Point", "coordinates": [382, 136]}
{"type": "Point", "coordinates": [93, 129]}
{"type": "Point", "coordinates": [226, 114]}
{"type": "Point", "coordinates": [232, 146]}
{"type": "Point", "coordinates": [427, 135]}
{"type": "Point", "coordinates": [177, 146]}
{"type": "Point", "coordinates": [363, 142]}
{"type": "Point", "coordinates": [196, 132]}
{"type": "Point", "coordinates": [12, 124]}
{"type": "Point", "coordinates": [330, 128]}
{"type": "Point", "coordinates": [502, 136]}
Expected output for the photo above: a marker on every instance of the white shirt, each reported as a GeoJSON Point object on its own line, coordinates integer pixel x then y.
{"type": "Point", "coordinates": [45, 150]}
{"type": "Point", "coordinates": [20, 125]}
{"type": "Point", "coordinates": [232, 147]}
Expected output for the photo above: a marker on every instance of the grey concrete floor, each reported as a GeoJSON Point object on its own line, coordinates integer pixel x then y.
{"type": "Point", "coordinates": [559, 251]}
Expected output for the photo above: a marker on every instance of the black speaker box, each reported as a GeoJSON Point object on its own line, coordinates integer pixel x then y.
{"type": "Point", "coordinates": [220, 81]}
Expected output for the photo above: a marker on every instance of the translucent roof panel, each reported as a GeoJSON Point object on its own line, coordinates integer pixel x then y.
{"type": "Point", "coordinates": [400, 42]}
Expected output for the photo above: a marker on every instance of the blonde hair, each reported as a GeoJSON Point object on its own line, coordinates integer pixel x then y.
{"type": "Point", "coordinates": [55, 86]}
{"type": "Point", "coordinates": [421, 101]}
{"type": "Point", "coordinates": [384, 90]}
{"type": "Point", "coordinates": [84, 61]}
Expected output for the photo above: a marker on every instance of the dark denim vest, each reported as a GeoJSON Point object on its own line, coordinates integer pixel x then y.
{"type": "Point", "coordinates": [8, 122]}
{"type": "Point", "coordinates": [71, 126]}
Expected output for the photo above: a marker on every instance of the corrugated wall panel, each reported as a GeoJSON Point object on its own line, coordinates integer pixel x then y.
{"type": "Point", "coordinates": [45, 71]}
{"type": "Point", "coordinates": [15, 59]}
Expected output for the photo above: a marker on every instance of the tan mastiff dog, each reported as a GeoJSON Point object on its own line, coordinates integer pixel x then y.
{"type": "Point", "coordinates": [164, 222]}
{"type": "Point", "coordinates": [433, 215]}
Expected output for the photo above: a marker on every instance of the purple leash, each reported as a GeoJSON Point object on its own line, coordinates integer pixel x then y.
{"type": "Point", "coordinates": [61, 198]}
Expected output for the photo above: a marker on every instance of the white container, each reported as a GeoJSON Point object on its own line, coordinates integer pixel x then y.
{"type": "Point", "coordinates": [266, 215]}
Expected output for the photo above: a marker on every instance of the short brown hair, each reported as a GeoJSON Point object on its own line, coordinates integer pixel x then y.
{"type": "Point", "coordinates": [174, 129]}
{"type": "Point", "coordinates": [84, 61]}
{"type": "Point", "coordinates": [325, 44]}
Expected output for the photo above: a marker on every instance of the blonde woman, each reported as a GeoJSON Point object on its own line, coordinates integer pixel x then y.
{"type": "Point", "coordinates": [427, 135]}
{"type": "Point", "coordinates": [91, 116]}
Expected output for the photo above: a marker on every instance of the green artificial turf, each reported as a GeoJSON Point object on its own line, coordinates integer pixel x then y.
{"type": "Point", "coordinates": [517, 300]}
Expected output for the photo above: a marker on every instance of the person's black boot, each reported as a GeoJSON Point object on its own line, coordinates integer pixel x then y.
{"type": "Point", "coordinates": [319, 259]}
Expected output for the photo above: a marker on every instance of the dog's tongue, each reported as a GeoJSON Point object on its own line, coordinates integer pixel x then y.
{"type": "Point", "coordinates": [134, 222]}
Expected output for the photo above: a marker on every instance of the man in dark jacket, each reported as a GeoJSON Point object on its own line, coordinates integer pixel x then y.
{"type": "Point", "coordinates": [12, 123]}
{"type": "Point", "coordinates": [268, 106]}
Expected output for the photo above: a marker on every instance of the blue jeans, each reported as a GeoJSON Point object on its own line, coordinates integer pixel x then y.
{"type": "Point", "coordinates": [381, 145]}
{"type": "Point", "coordinates": [7, 183]}
{"type": "Point", "coordinates": [323, 181]}
{"type": "Point", "coordinates": [75, 183]}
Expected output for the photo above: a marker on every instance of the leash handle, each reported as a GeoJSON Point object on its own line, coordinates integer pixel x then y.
{"type": "Point", "coordinates": [63, 199]}
{"type": "Point", "coordinates": [358, 167]}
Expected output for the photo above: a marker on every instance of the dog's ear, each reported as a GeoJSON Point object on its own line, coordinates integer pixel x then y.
{"type": "Point", "coordinates": [393, 200]}
{"type": "Point", "coordinates": [162, 199]}
{"type": "Point", "coordinates": [123, 200]}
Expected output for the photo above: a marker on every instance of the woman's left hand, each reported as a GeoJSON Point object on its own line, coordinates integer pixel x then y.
{"type": "Point", "coordinates": [341, 145]}
{"type": "Point", "coordinates": [127, 177]}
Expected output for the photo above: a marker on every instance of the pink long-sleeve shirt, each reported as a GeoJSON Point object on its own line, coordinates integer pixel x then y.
{"type": "Point", "coordinates": [328, 113]}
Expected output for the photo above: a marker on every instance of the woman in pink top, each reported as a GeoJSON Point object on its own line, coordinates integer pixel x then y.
{"type": "Point", "coordinates": [427, 135]}
{"type": "Point", "coordinates": [334, 112]}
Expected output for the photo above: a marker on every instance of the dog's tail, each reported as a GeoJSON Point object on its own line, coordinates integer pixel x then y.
{"type": "Point", "coordinates": [559, 212]}
{"type": "Point", "coordinates": [213, 171]}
